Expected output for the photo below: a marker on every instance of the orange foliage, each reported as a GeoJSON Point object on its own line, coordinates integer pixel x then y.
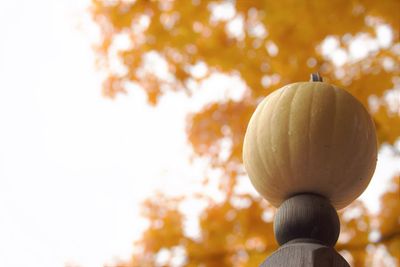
{"type": "Point", "coordinates": [267, 44]}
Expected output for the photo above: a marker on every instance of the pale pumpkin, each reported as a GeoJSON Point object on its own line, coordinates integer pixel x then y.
{"type": "Point", "coordinates": [310, 137]}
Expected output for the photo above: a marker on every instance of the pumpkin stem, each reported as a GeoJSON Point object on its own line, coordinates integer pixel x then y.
{"type": "Point", "coordinates": [315, 77]}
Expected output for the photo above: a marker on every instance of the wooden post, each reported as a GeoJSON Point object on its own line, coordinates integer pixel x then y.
{"type": "Point", "coordinates": [307, 227]}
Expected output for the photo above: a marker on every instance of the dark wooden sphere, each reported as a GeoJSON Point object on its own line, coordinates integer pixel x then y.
{"type": "Point", "coordinates": [307, 217]}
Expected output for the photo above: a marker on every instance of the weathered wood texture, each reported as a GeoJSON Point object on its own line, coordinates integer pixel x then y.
{"type": "Point", "coordinates": [305, 255]}
{"type": "Point", "coordinates": [307, 216]}
{"type": "Point", "coordinates": [307, 227]}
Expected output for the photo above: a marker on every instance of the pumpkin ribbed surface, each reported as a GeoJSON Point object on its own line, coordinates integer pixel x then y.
{"type": "Point", "coordinates": [310, 137]}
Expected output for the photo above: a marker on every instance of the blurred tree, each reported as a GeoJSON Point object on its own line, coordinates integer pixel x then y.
{"type": "Point", "coordinates": [167, 46]}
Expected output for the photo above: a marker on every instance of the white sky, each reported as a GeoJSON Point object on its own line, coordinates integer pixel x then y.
{"type": "Point", "coordinates": [74, 166]}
